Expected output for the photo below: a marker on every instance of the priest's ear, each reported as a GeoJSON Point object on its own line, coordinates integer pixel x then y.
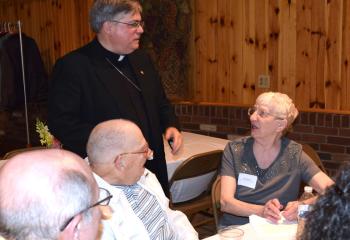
{"type": "Point", "coordinates": [107, 27]}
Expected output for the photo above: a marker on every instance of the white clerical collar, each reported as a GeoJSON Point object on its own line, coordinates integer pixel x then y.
{"type": "Point", "coordinates": [121, 57]}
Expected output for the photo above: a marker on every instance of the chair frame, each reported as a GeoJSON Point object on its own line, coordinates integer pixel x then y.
{"type": "Point", "coordinates": [189, 167]}
{"type": "Point", "coordinates": [215, 199]}
{"type": "Point", "coordinates": [310, 151]}
{"type": "Point", "coordinates": [14, 152]}
{"type": "Point", "coordinates": [209, 162]}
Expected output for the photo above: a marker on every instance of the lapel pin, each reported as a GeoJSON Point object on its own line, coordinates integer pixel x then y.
{"type": "Point", "coordinates": [142, 73]}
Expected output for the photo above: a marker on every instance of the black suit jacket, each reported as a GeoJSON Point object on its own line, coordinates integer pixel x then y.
{"type": "Point", "coordinates": [85, 90]}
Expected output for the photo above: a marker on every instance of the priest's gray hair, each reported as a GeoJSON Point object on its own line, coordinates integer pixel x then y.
{"type": "Point", "coordinates": [105, 10]}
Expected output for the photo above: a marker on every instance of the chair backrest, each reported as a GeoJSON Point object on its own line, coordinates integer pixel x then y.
{"type": "Point", "coordinates": [197, 165]}
{"type": "Point", "coordinates": [215, 199]}
{"type": "Point", "coordinates": [21, 150]}
{"type": "Point", "coordinates": [314, 156]}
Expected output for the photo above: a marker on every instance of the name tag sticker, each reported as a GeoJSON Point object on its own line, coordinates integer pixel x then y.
{"type": "Point", "coordinates": [247, 180]}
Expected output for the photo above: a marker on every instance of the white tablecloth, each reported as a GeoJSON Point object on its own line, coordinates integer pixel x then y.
{"type": "Point", "coordinates": [251, 234]}
{"type": "Point", "coordinates": [192, 144]}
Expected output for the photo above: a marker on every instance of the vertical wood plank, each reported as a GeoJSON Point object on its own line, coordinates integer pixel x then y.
{"type": "Point", "coordinates": [287, 48]}
{"type": "Point", "coordinates": [192, 54]}
{"type": "Point", "coordinates": [260, 41]}
{"type": "Point", "coordinates": [236, 54]}
{"type": "Point", "coordinates": [273, 40]}
{"type": "Point", "coordinates": [212, 60]}
{"type": "Point", "coordinates": [48, 30]}
{"type": "Point", "coordinates": [318, 43]}
{"type": "Point", "coordinates": [333, 54]}
{"type": "Point", "coordinates": [223, 46]}
{"type": "Point", "coordinates": [248, 95]}
{"type": "Point", "coordinates": [206, 31]}
{"type": "Point", "coordinates": [200, 45]}
{"type": "Point", "coordinates": [303, 49]}
{"type": "Point", "coordinates": [345, 69]}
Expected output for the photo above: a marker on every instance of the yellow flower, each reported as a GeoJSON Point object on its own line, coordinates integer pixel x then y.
{"type": "Point", "coordinates": [46, 138]}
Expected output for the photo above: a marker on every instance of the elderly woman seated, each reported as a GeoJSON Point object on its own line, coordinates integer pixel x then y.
{"type": "Point", "coordinates": [261, 174]}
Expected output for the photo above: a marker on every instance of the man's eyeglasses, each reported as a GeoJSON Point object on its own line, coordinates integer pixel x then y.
{"type": "Point", "coordinates": [105, 197]}
{"type": "Point", "coordinates": [148, 153]}
{"type": "Point", "coordinates": [134, 24]}
{"type": "Point", "coordinates": [261, 113]}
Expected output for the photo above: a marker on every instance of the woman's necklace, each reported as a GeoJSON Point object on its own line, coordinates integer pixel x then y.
{"type": "Point", "coordinates": [128, 79]}
{"type": "Point", "coordinates": [265, 157]}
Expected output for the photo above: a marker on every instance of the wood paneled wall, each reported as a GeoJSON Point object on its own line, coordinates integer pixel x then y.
{"type": "Point", "coordinates": [303, 45]}
{"type": "Point", "coordinates": [58, 26]}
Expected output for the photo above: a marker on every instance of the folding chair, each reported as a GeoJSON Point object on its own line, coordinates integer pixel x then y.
{"type": "Point", "coordinates": [195, 166]}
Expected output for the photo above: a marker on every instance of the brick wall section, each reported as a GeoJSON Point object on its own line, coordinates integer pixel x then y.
{"type": "Point", "coordinates": [327, 133]}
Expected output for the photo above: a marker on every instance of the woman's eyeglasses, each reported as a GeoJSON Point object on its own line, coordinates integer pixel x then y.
{"type": "Point", "coordinates": [261, 113]}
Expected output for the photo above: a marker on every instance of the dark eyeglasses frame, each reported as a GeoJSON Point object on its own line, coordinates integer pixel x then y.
{"type": "Point", "coordinates": [106, 200]}
{"type": "Point", "coordinates": [134, 24]}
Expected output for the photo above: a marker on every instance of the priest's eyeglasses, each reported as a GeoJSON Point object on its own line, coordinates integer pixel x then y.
{"type": "Point", "coordinates": [134, 24]}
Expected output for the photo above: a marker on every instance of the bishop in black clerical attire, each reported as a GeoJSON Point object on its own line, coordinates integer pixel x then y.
{"type": "Point", "coordinates": [111, 78]}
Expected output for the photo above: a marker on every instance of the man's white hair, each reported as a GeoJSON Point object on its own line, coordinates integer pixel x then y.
{"type": "Point", "coordinates": [108, 139]}
{"type": "Point", "coordinates": [31, 214]}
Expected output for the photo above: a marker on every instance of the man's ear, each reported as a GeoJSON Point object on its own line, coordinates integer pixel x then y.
{"type": "Point", "coordinates": [119, 163]}
{"type": "Point", "coordinates": [72, 230]}
{"type": "Point", "coordinates": [107, 27]}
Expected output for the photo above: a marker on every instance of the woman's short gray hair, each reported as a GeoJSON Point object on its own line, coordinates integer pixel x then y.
{"type": "Point", "coordinates": [105, 10]}
{"type": "Point", "coordinates": [280, 105]}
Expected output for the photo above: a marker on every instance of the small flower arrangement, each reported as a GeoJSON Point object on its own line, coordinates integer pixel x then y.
{"type": "Point", "coordinates": [46, 138]}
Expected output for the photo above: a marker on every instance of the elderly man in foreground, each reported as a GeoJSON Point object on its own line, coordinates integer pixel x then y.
{"type": "Point", "coordinates": [117, 153]}
{"type": "Point", "coordinates": [49, 194]}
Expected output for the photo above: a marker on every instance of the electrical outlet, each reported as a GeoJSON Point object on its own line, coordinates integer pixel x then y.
{"type": "Point", "coordinates": [264, 81]}
{"type": "Point", "coordinates": [207, 127]}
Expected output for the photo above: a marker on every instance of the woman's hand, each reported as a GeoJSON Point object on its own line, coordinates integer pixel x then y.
{"type": "Point", "coordinates": [291, 211]}
{"type": "Point", "coordinates": [272, 209]}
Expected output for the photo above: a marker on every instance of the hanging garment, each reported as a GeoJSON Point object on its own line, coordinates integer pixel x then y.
{"type": "Point", "coordinates": [11, 83]}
